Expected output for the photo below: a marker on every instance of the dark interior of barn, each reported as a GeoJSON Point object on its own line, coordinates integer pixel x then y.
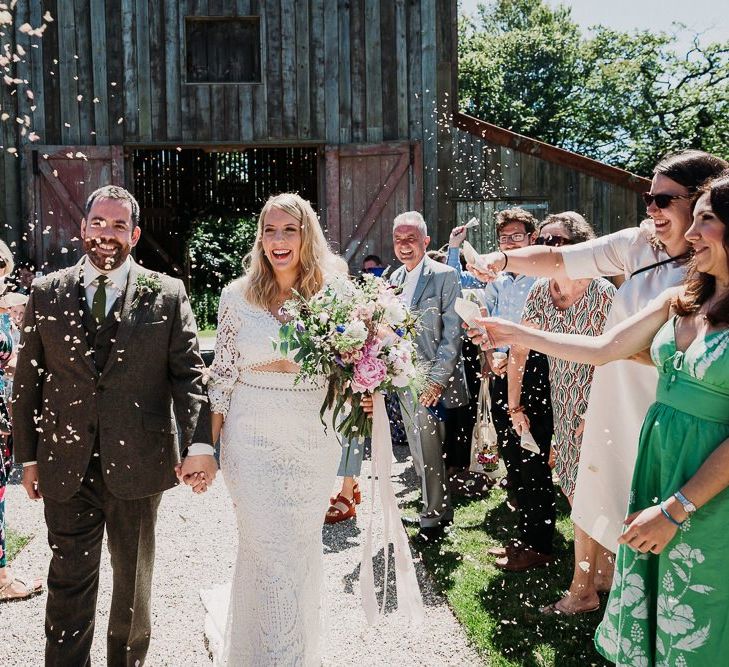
{"type": "Point", "coordinates": [176, 187]}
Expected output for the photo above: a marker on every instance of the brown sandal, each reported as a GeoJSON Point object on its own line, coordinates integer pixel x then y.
{"type": "Point", "coordinates": [355, 492]}
{"type": "Point", "coordinates": [335, 514]}
{"type": "Point", "coordinates": [6, 593]}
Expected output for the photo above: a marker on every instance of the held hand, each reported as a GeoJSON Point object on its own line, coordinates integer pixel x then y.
{"type": "Point", "coordinates": [199, 471]}
{"type": "Point", "coordinates": [498, 366]}
{"type": "Point", "coordinates": [492, 332]}
{"type": "Point", "coordinates": [367, 403]}
{"type": "Point", "coordinates": [431, 395]}
{"type": "Point", "coordinates": [648, 530]}
{"type": "Point", "coordinates": [458, 235]}
{"type": "Point", "coordinates": [30, 482]}
{"type": "Point", "coordinates": [520, 422]}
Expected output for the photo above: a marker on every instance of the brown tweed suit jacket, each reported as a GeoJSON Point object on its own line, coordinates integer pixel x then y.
{"type": "Point", "coordinates": [152, 381]}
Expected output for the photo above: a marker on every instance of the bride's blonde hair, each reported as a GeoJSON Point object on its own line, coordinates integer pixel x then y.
{"type": "Point", "coordinates": [316, 260]}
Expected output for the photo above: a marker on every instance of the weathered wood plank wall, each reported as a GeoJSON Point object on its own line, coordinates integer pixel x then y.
{"type": "Point", "coordinates": [483, 171]}
{"type": "Point", "coordinates": [367, 68]}
{"type": "Point", "coordinates": [113, 72]}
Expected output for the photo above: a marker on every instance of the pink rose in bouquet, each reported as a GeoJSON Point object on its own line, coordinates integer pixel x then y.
{"type": "Point", "coordinates": [369, 373]}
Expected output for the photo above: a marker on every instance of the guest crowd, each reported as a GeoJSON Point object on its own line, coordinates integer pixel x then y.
{"type": "Point", "coordinates": [618, 390]}
{"type": "Point", "coordinates": [623, 399]}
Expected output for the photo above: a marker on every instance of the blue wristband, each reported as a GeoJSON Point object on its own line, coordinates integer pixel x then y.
{"type": "Point", "coordinates": [668, 516]}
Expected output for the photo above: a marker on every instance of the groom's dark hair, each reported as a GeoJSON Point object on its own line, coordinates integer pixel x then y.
{"type": "Point", "coordinates": [114, 192]}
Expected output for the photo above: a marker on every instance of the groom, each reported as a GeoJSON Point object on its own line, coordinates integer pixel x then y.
{"type": "Point", "coordinates": [108, 368]}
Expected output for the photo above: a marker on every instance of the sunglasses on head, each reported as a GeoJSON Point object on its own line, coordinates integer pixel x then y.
{"type": "Point", "coordinates": [552, 240]}
{"type": "Point", "coordinates": [662, 200]}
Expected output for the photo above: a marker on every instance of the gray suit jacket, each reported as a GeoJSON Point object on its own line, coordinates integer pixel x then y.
{"type": "Point", "coordinates": [63, 405]}
{"type": "Point", "coordinates": [439, 338]}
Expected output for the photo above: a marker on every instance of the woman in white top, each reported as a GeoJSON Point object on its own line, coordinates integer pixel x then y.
{"type": "Point", "coordinates": [278, 461]}
{"type": "Point", "coordinates": [651, 258]}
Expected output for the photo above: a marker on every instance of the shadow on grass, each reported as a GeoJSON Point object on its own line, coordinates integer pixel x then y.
{"type": "Point", "coordinates": [500, 610]}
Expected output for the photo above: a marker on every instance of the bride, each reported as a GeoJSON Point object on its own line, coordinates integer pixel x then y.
{"type": "Point", "coordinates": [278, 461]}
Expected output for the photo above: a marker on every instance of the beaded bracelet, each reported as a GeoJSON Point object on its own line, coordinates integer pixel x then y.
{"type": "Point", "coordinates": [668, 516]}
{"type": "Point", "coordinates": [513, 411]}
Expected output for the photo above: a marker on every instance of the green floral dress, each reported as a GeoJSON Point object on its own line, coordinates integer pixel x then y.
{"type": "Point", "coordinates": [672, 609]}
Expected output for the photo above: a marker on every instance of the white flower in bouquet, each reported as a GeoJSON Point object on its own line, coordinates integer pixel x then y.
{"type": "Point", "coordinates": [357, 331]}
{"type": "Point", "coordinates": [343, 288]}
{"type": "Point", "coordinates": [395, 311]}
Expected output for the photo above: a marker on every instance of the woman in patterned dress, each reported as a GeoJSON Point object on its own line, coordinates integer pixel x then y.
{"type": "Point", "coordinates": [11, 588]}
{"type": "Point", "coordinates": [669, 605]}
{"type": "Point", "coordinates": [565, 306]}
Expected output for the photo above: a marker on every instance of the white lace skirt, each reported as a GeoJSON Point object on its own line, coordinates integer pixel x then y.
{"type": "Point", "coordinates": [279, 466]}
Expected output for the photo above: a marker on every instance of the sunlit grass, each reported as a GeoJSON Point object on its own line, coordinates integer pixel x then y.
{"type": "Point", "coordinates": [14, 543]}
{"type": "Point", "coordinates": [499, 610]}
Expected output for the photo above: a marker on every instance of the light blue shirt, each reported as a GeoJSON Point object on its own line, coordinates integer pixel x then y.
{"type": "Point", "coordinates": [504, 297]}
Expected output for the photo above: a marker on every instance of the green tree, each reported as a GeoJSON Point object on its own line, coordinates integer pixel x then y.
{"type": "Point", "coordinates": [519, 66]}
{"type": "Point", "coordinates": [217, 247]}
{"type": "Point", "coordinates": [623, 98]}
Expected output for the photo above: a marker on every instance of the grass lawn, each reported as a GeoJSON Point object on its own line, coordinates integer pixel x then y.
{"type": "Point", "coordinates": [14, 542]}
{"type": "Point", "coordinates": [207, 333]}
{"type": "Point", "coordinates": [500, 610]}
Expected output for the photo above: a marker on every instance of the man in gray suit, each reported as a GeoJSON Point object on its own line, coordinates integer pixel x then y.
{"type": "Point", "coordinates": [430, 289]}
{"type": "Point", "coordinates": [108, 366]}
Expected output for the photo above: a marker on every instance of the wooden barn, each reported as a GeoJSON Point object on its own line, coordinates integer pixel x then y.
{"type": "Point", "coordinates": [206, 107]}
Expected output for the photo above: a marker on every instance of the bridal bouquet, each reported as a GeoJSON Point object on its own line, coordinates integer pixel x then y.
{"type": "Point", "coordinates": [358, 335]}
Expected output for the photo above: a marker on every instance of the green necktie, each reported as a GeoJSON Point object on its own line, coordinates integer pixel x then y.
{"type": "Point", "coordinates": [98, 304]}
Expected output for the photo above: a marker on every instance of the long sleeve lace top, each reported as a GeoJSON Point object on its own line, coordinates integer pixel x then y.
{"type": "Point", "coordinates": [244, 342]}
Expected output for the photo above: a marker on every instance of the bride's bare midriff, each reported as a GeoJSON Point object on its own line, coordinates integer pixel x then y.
{"type": "Point", "coordinates": [280, 366]}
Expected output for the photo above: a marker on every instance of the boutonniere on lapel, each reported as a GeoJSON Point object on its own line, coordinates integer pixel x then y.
{"type": "Point", "coordinates": [145, 285]}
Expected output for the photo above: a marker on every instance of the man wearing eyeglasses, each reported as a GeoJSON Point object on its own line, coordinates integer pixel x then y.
{"type": "Point", "coordinates": [529, 478]}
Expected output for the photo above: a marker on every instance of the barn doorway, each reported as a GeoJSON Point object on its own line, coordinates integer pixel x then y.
{"type": "Point", "coordinates": [176, 187]}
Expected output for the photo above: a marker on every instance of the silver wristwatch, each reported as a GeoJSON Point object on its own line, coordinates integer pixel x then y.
{"type": "Point", "coordinates": [688, 506]}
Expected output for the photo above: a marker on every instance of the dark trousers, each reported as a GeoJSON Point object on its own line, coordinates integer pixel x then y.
{"type": "Point", "coordinates": [529, 474]}
{"type": "Point", "coordinates": [460, 421]}
{"type": "Point", "coordinates": [75, 533]}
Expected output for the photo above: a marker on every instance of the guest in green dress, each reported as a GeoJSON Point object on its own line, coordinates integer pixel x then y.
{"type": "Point", "coordinates": [669, 605]}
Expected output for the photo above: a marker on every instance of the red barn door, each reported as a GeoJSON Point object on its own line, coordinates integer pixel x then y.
{"type": "Point", "coordinates": [60, 180]}
{"type": "Point", "coordinates": [366, 187]}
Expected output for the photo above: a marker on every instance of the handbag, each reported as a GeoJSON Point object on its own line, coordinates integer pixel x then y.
{"type": "Point", "coordinates": [484, 448]}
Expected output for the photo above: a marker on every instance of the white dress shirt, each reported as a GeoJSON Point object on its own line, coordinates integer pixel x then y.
{"type": "Point", "coordinates": [411, 282]}
{"type": "Point", "coordinates": [114, 287]}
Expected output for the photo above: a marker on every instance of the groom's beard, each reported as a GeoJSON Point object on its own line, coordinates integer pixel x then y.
{"type": "Point", "coordinates": [106, 254]}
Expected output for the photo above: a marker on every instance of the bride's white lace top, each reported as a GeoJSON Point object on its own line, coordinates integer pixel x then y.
{"type": "Point", "coordinates": [242, 327]}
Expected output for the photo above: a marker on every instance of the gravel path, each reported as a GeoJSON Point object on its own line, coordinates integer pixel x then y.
{"type": "Point", "coordinates": [196, 539]}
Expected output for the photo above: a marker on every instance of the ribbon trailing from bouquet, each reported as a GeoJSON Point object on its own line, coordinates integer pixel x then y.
{"type": "Point", "coordinates": [409, 599]}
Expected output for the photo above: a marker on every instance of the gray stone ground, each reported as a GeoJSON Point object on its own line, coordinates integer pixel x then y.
{"type": "Point", "coordinates": [196, 540]}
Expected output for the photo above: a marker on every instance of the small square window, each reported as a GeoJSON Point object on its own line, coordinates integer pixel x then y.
{"type": "Point", "coordinates": [223, 50]}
